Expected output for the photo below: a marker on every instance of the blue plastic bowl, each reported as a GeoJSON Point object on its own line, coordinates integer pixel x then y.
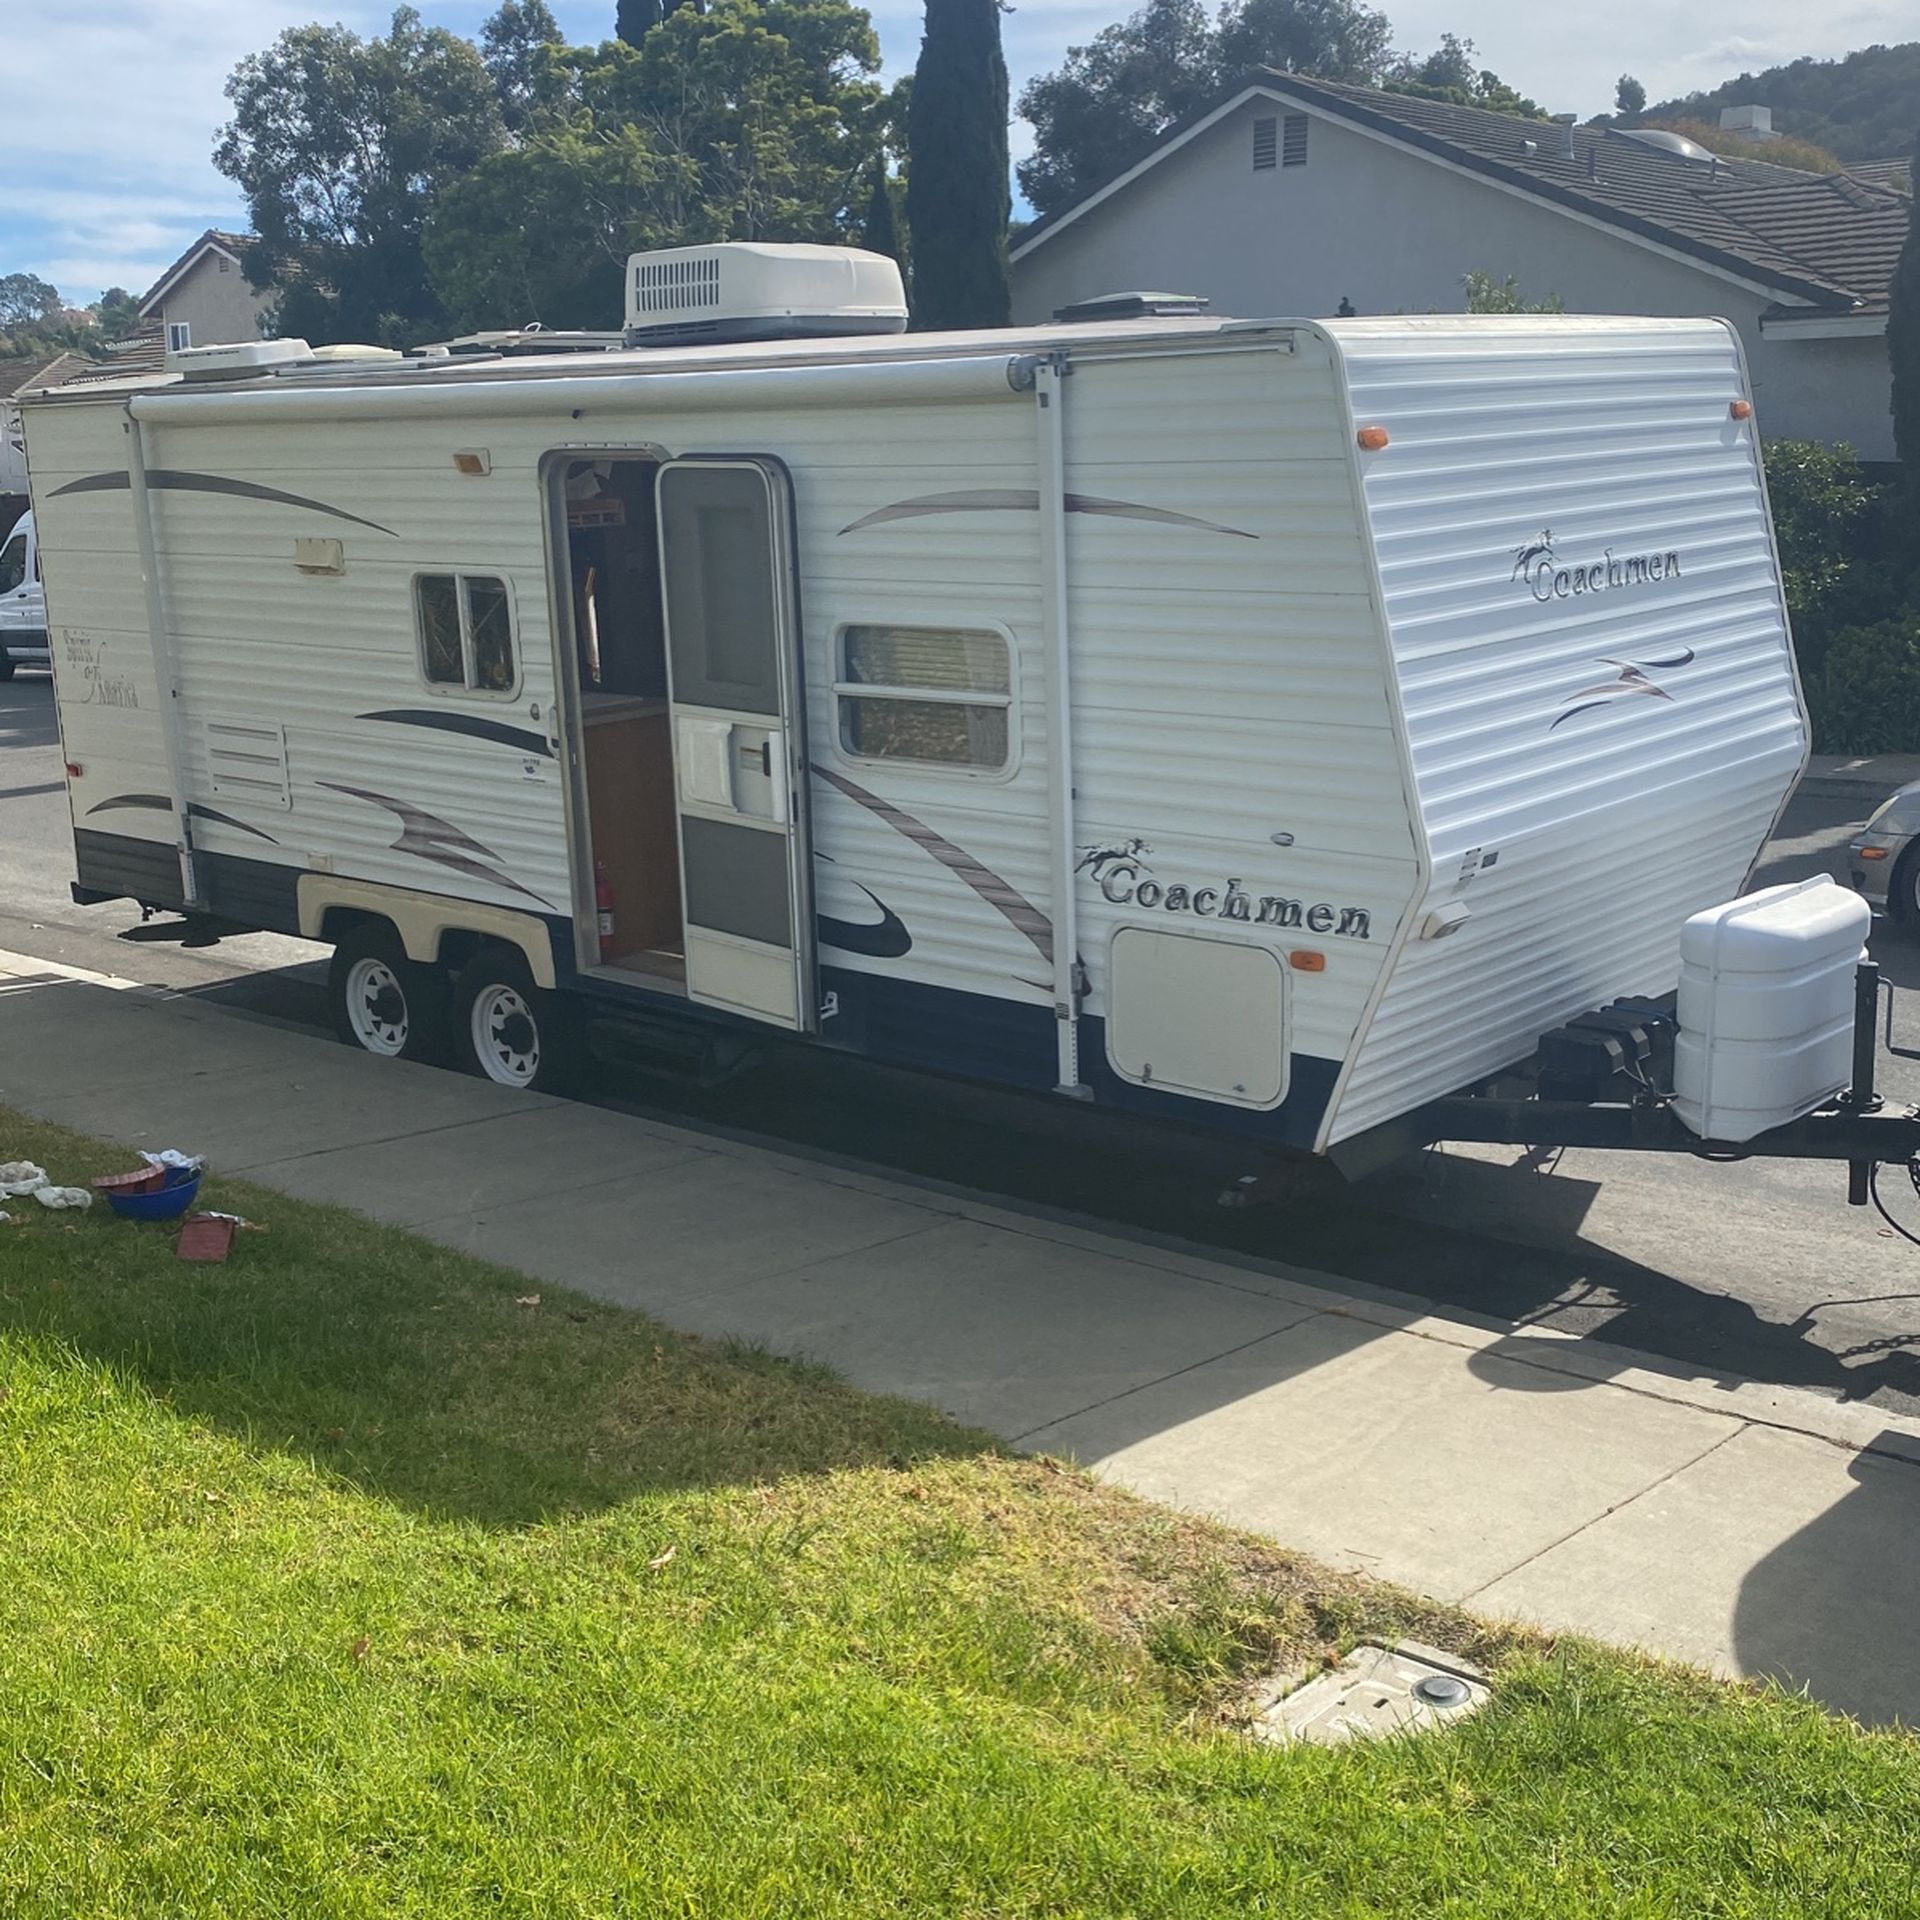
{"type": "Point", "coordinates": [164, 1203]}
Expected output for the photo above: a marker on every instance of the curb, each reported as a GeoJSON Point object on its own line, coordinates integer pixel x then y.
{"type": "Point", "coordinates": [1841, 786]}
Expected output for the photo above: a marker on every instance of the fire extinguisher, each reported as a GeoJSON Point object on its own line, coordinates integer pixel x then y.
{"type": "Point", "coordinates": [603, 909]}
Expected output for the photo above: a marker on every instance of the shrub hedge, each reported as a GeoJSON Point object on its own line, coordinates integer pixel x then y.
{"type": "Point", "coordinates": [1850, 557]}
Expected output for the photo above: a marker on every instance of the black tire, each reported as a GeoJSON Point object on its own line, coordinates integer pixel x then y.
{"type": "Point", "coordinates": [386, 1004]}
{"type": "Point", "coordinates": [6, 665]}
{"type": "Point", "coordinates": [1903, 890]}
{"type": "Point", "coordinates": [512, 1032]}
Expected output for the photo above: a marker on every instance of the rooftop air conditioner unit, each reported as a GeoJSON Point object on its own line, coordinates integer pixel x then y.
{"type": "Point", "coordinates": [755, 290]}
{"type": "Point", "coordinates": [236, 359]}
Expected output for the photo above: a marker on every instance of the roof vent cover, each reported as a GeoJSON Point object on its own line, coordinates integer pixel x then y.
{"type": "Point", "coordinates": [756, 290]}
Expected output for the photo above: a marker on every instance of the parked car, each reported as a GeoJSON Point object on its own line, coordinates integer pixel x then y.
{"type": "Point", "coordinates": [23, 602]}
{"type": "Point", "coordinates": [1883, 859]}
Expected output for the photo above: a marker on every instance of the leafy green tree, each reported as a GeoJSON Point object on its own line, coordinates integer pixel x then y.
{"type": "Point", "coordinates": [1859, 108]}
{"type": "Point", "coordinates": [1903, 350]}
{"type": "Point", "coordinates": [1629, 97]}
{"type": "Point", "coordinates": [1448, 73]}
{"type": "Point", "coordinates": [1485, 294]}
{"type": "Point", "coordinates": [340, 145]}
{"type": "Point", "coordinates": [116, 314]}
{"type": "Point", "coordinates": [511, 43]}
{"type": "Point", "coordinates": [1113, 98]}
{"type": "Point", "coordinates": [748, 121]}
{"type": "Point", "coordinates": [880, 229]}
{"type": "Point", "coordinates": [958, 199]}
{"type": "Point", "coordinates": [27, 301]}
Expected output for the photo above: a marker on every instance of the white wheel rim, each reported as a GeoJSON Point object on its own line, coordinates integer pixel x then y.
{"type": "Point", "coordinates": [377, 1007]}
{"type": "Point", "coordinates": [506, 1036]}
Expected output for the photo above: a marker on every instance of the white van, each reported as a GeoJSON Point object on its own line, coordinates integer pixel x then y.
{"type": "Point", "coordinates": [23, 602]}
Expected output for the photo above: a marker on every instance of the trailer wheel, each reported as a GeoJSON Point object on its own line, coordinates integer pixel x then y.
{"type": "Point", "coordinates": [509, 1031]}
{"type": "Point", "coordinates": [1903, 890]}
{"type": "Point", "coordinates": [6, 665]}
{"type": "Point", "coordinates": [385, 1003]}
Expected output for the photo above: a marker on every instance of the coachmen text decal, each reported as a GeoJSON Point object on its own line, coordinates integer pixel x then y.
{"type": "Point", "coordinates": [1124, 877]}
{"type": "Point", "coordinates": [1536, 563]}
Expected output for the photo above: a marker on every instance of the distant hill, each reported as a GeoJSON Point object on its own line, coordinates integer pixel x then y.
{"type": "Point", "coordinates": [1865, 107]}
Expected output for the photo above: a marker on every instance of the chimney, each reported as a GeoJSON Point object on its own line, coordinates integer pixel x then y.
{"type": "Point", "coordinates": [1564, 121]}
{"type": "Point", "coordinates": [1751, 123]}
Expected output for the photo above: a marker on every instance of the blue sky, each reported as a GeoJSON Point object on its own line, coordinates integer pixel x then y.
{"type": "Point", "coordinates": [110, 106]}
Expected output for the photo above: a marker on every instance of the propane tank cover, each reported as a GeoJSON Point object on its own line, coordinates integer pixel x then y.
{"type": "Point", "coordinates": [1765, 1009]}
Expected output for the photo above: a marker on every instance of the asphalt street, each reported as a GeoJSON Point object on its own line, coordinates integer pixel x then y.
{"type": "Point", "coordinates": [1758, 1270]}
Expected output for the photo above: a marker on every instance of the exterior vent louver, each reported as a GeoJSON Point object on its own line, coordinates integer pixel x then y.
{"type": "Point", "coordinates": [1266, 144]}
{"type": "Point", "coordinates": [1293, 145]}
{"type": "Point", "coordinates": [673, 286]}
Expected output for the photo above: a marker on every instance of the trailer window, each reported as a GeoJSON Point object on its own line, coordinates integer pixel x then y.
{"type": "Point", "coordinates": [466, 631]}
{"type": "Point", "coordinates": [942, 696]}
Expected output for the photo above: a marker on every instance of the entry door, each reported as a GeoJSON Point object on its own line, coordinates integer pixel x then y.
{"type": "Point", "coordinates": [739, 742]}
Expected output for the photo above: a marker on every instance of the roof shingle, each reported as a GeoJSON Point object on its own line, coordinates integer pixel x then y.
{"type": "Point", "coordinates": [1827, 241]}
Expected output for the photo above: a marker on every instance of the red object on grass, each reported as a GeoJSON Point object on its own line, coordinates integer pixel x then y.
{"type": "Point", "coordinates": [146, 1180]}
{"type": "Point", "coordinates": [206, 1236]}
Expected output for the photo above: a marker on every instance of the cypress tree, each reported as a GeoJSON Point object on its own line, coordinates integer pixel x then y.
{"type": "Point", "coordinates": [632, 18]}
{"type": "Point", "coordinates": [1903, 346]}
{"type": "Point", "coordinates": [879, 233]}
{"type": "Point", "coordinates": [958, 201]}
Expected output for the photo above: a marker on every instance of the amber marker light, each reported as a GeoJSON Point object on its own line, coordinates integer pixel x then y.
{"type": "Point", "coordinates": [1873, 853]}
{"type": "Point", "coordinates": [1305, 960]}
{"type": "Point", "coordinates": [1372, 438]}
{"type": "Point", "coordinates": [1741, 409]}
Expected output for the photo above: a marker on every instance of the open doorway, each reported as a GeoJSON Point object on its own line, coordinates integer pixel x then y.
{"type": "Point", "coordinates": [620, 669]}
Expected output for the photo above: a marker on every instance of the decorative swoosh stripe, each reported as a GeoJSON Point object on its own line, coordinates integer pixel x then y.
{"type": "Point", "coordinates": [521, 738]}
{"type": "Point", "coordinates": [1005, 899]}
{"type": "Point", "coordinates": [148, 802]}
{"type": "Point", "coordinates": [175, 480]}
{"type": "Point", "coordinates": [884, 939]}
{"type": "Point", "coordinates": [159, 803]}
{"type": "Point", "coordinates": [1027, 500]}
{"type": "Point", "coordinates": [428, 837]}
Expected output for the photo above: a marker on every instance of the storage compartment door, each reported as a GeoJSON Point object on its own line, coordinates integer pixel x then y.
{"type": "Point", "coordinates": [1194, 1015]}
{"type": "Point", "coordinates": [739, 738]}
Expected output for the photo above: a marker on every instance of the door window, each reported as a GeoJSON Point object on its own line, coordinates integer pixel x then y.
{"type": "Point", "coordinates": [13, 563]}
{"type": "Point", "coordinates": [718, 559]}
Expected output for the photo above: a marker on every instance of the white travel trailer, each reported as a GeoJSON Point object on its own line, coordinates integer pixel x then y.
{"type": "Point", "coordinates": [1276, 724]}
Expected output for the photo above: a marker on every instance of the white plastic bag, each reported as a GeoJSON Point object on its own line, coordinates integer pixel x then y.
{"type": "Point", "coordinates": [20, 1176]}
{"type": "Point", "coordinates": [63, 1196]}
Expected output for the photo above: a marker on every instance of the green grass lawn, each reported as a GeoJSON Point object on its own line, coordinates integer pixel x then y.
{"type": "Point", "coordinates": [348, 1579]}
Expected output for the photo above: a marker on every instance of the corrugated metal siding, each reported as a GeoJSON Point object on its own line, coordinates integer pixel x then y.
{"type": "Point", "coordinates": [110, 721]}
{"type": "Point", "coordinates": [1610, 825]}
{"type": "Point", "coordinates": [1228, 689]}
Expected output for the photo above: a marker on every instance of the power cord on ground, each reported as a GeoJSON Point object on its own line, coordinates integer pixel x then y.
{"type": "Point", "coordinates": [1873, 1191]}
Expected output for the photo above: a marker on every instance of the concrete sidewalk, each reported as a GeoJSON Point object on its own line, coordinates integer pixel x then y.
{"type": "Point", "coordinates": [1749, 1528]}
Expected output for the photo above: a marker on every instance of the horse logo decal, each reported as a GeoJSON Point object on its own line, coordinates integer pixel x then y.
{"type": "Point", "coordinates": [1099, 861]}
{"type": "Point", "coordinates": [1525, 557]}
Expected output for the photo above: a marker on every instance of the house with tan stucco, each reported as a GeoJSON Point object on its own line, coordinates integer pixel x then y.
{"type": "Point", "coordinates": [205, 299]}
{"type": "Point", "coordinates": [1297, 196]}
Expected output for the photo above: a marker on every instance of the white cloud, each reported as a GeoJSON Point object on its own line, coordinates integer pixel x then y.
{"type": "Point", "coordinates": [111, 106]}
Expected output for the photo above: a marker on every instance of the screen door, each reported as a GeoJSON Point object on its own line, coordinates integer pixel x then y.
{"type": "Point", "coordinates": [739, 742]}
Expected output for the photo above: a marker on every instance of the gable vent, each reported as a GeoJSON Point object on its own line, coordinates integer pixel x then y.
{"type": "Point", "coordinates": [1266, 144]}
{"type": "Point", "coordinates": [1293, 147]}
